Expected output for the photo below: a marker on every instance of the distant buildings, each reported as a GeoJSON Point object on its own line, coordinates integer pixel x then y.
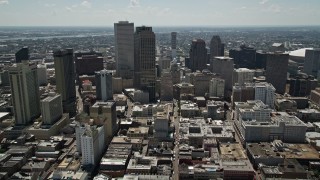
{"type": "Point", "coordinates": [124, 48]}
{"type": "Point", "coordinates": [22, 54]}
{"type": "Point", "coordinates": [312, 62]}
{"type": "Point", "coordinates": [65, 79]}
{"type": "Point", "coordinates": [198, 55]}
{"type": "Point", "coordinates": [25, 92]}
{"type": "Point", "coordinates": [244, 57]}
{"type": "Point", "coordinates": [144, 60]}
{"type": "Point", "coordinates": [88, 64]}
{"type": "Point", "coordinates": [276, 71]}
{"type": "Point", "coordinates": [173, 44]}
{"type": "Point", "coordinates": [104, 90]}
{"type": "Point", "coordinates": [216, 47]}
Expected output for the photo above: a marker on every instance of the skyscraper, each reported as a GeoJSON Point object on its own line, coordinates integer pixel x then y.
{"type": "Point", "coordinates": [104, 85]}
{"type": "Point", "coordinates": [145, 60]}
{"type": "Point", "coordinates": [22, 54]}
{"type": "Point", "coordinates": [198, 55]}
{"type": "Point", "coordinates": [216, 47]}
{"type": "Point", "coordinates": [173, 44]}
{"type": "Point", "coordinates": [244, 57]}
{"type": "Point", "coordinates": [312, 62]}
{"type": "Point", "coordinates": [276, 71]}
{"type": "Point", "coordinates": [25, 92]}
{"type": "Point", "coordinates": [65, 79]}
{"type": "Point", "coordinates": [124, 48]}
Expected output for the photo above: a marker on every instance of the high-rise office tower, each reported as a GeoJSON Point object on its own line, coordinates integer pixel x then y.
{"type": "Point", "coordinates": [276, 71]}
{"type": "Point", "coordinates": [145, 60]}
{"type": "Point", "coordinates": [65, 79]}
{"type": "Point", "coordinates": [104, 85]}
{"type": "Point", "coordinates": [312, 62]}
{"type": "Point", "coordinates": [173, 44]}
{"type": "Point", "coordinates": [244, 57]}
{"type": "Point", "coordinates": [51, 109]}
{"type": "Point", "coordinates": [22, 54]}
{"type": "Point", "coordinates": [25, 92]}
{"type": "Point", "coordinates": [124, 48]}
{"type": "Point", "coordinates": [216, 47]}
{"type": "Point", "coordinates": [224, 67]}
{"type": "Point", "coordinates": [198, 55]}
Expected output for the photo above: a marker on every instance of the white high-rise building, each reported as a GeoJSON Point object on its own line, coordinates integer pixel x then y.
{"type": "Point", "coordinates": [90, 142]}
{"type": "Point", "coordinates": [216, 87]}
{"type": "Point", "coordinates": [124, 49]}
{"type": "Point", "coordinates": [243, 75]}
{"type": "Point", "coordinates": [25, 92]}
{"type": "Point", "coordinates": [51, 109]}
{"type": "Point", "coordinates": [266, 93]}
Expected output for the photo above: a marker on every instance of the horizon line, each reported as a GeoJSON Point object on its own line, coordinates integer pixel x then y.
{"type": "Point", "coordinates": [191, 26]}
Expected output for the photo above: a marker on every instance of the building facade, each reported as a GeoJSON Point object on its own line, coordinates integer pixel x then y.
{"type": "Point", "coordinates": [25, 92]}
{"type": "Point", "coordinates": [124, 48]}
{"type": "Point", "coordinates": [65, 79]}
{"type": "Point", "coordinates": [145, 60]}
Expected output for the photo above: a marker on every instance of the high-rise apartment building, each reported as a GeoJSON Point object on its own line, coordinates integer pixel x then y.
{"type": "Point", "coordinates": [276, 71]}
{"type": "Point", "coordinates": [51, 109]}
{"type": "Point", "coordinates": [65, 79]}
{"type": "Point", "coordinates": [145, 60]}
{"type": "Point", "coordinates": [25, 92]}
{"type": "Point", "coordinates": [104, 90]}
{"type": "Point", "coordinates": [173, 44]}
{"type": "Point", "coordinates": [198, 55]}
{"type": "Point", "coordinates": [124, 48]}
{"type": "Point", "coordinates": [22, 54]}
{"type": "Point", "coordinates": [312, 62]}
{"type": "Point", "coordinates": [216, 47]}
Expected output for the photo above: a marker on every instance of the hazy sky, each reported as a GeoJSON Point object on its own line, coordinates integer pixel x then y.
{"type": "Point", "coordinates": [159, 12]}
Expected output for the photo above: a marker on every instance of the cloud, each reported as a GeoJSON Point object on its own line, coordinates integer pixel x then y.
{"type": "Point", "coordinates": [69, 9]}
{"type": "Point", "coordinates": [4, 2]}
{"type": "Point", "coordinates": [134, 3]}
{"type": "Point", "coordinates": [263, 2]}
{"type": "Point", "coordinates": [86, 4]}
{"type": "Point", "coordinates": [274, 8]}
{"type": "Point", "coordinates": [50, 5]}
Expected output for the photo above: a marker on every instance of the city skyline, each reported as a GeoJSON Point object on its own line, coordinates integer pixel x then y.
{"type": "Point", "coordinates": [159, 13]}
